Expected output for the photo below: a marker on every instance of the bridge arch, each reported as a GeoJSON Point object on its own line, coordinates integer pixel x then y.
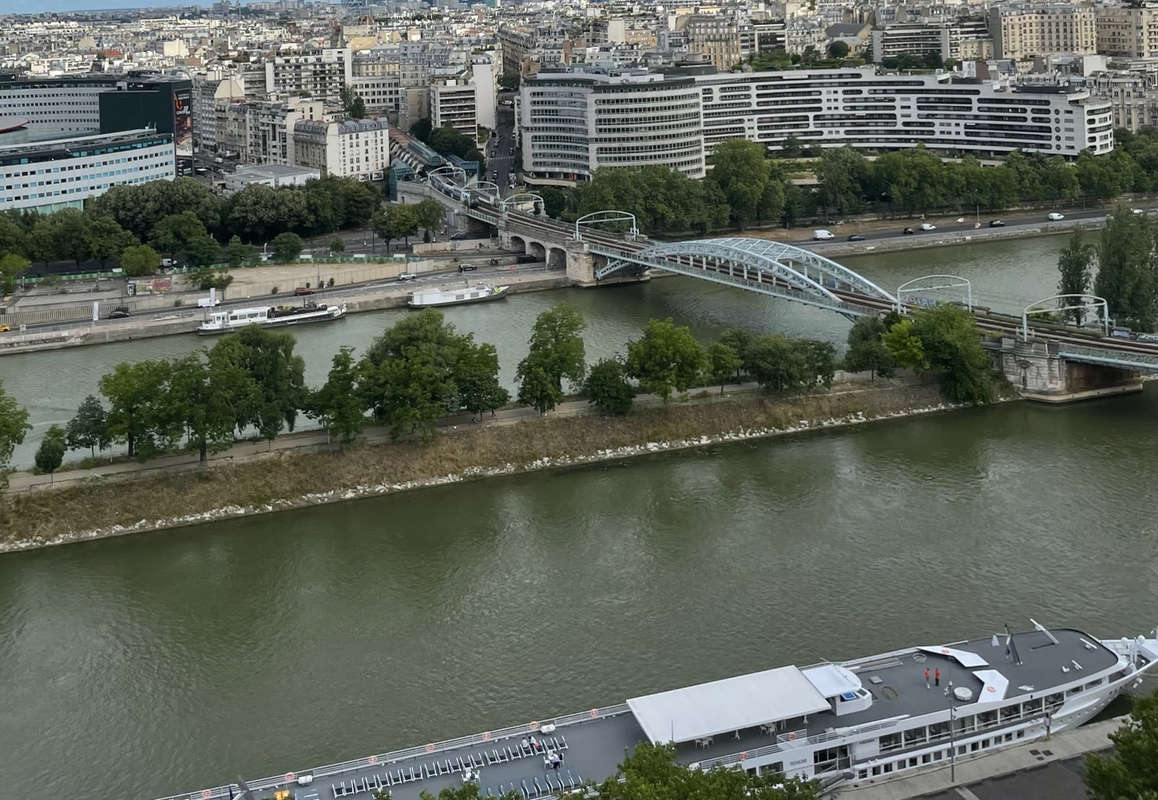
{"type": "Point", "coordinates": [763, 265]}
{"type": "Point", "coordinates": [556, 258]}
{"type": "Point", "coordinates": [518, 243]}
{"type": "Point", "coordinates": [536, 249]}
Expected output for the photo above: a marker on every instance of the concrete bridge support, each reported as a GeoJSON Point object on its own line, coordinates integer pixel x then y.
{"type": "Point", "coordinates": [1035, 369]}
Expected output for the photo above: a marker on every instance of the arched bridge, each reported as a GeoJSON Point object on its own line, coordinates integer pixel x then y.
{"type": "Point", "coordinates": [758, 265]}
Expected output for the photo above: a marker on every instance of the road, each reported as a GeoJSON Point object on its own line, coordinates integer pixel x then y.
{"type": "Point", "coordinates": [500, 150]}
{"type": "Point", "coordinates": [887, 229]}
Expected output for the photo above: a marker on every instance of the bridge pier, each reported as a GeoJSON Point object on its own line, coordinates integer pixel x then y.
{"type": "Point", "coordinates": [1036, 370]}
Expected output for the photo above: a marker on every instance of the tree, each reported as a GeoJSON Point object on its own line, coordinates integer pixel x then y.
{"type": "Point", "coordinates": [352, 103]}
{"type": "Point", "coordinates": [866, 351]}
{"type": "Point", "coordinates": [337, 245]}
{"type": "Point", "coordinates": [841, 172]}
{"type": "Point", "coordinates": [259, 212]}
{"type": "Point", "coordinates": [429, 215]}
{"type": "Point", "coordinates": [838, 49]}
{"type": "Point", "coordinates": [742, 173]}
{"type": "Point", "coordinates": [778, 364]}
{"type": "Point", "coordinates": [138, 412]}
{"type": "Point", "coordinates": [1130, 771]}
{"type": "Point", "coordinates": [1073, 266]}
{"type": "Point", "coordinates": [723, 363]}
{"type": "Point", "coordinates": [173, 233]}
{"type": "Point", "coordinates": [944, 339]}
{"type": "Point", "coordinates": [89, 428]}
{"type": "Point", "coordinates": [138, 208]}
{"type": "Point", "coordinates": [607, 387]}
{"type": "Point", "coordinates": [651, 772]}
{"type": "Point", "coordinates": [107, 239]}
{"type": "Point", "coordinates": [556, 352]}
{"type": "Point", "coordinates": [11, 267]}
{"type": "Point", "coordinates": [69, 229]}
{"type": "Point", "coordinates": [465, 791]}
{"type": "Point", "coordinates": [286, 247]}
{"type": "Point", "coordinates": [409, 375]}
{"type": "Point", "coordinates": [476, 375]}
{"type": "Point", "coordinates": [237, 254]}
{"type": "Point", "coordinates": [207, 391]}
{"type": "Point", "coordinates": [337, 404]}
{"type": "Point", "coordinates": [420, 129]}
{"type": "Point", "coordinates": [50, 454]}
{"type": "Point", "coordinates": [1128, 269]}
{"type": "Point", "coordinates": [268, 358]}
{"type": "Point", "coordinates": [395, 221]}
{"type": "Point", "coordinates": [667, 357]}
{"type": "Point", "coordinates": [13, 428]}
{"type": "Point", "coordinates": [140, 259]}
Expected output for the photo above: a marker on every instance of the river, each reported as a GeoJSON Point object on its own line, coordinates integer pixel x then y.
{"type": "Point", "coordinates": [151, 664]}
{"type": "Point", "coordinates": [1006, 276]}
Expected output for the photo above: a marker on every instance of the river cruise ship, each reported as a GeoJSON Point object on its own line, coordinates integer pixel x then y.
{"type": "Point", "coordinates": [843, 723]}
{"type": "Point", "coordinates": [479, 293]}
{"type": "Point", "coordinates": [268, 317]}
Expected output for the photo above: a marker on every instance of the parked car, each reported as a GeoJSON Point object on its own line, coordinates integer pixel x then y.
{"type": "Point", "coordinates": [467, 267]}
{"type": "Point", "coordinates": [1137, 211]}
{"type": "Point", "coordinates": [996, 223]}
{"type": "Point", "coordinates": [407, 276]}
{"type": "Point", "coordinates": [928, 226]}
{"type": "Point", "coordinates": [120, 312]}
{"type": "Point", "coordinates": [820, 235]}
{"type": "Point", "coordinates": [303, 290]}
{"type": "Point", "coordinates": [457, 236]}
{"type": "Point", "coordinates": [908, 231]}
{"type": "Point", "coordinates": [856, 237]}
{"type": "Point", "coordinates": [1055, 216]}
{"type": "Point", "coordinates": [4, 328]}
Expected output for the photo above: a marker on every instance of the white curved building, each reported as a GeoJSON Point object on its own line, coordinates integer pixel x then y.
{"type": "Point", "coordinates": [574, 123]}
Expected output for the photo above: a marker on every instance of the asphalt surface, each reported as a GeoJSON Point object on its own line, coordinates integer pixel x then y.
{"type": "Point", "coordinates": [1059, 780]}
{"type": "Point", "coordinates": [499, 150]}
{"type": "Point", "coordinates": [842, 230]}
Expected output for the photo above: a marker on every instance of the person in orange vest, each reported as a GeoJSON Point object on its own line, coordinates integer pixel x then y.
{"type": "Point", "coordinates": [937, 676]}
{"type": "Point", "coordinates": [926, 677]}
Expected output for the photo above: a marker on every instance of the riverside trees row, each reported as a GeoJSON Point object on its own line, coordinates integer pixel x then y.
{"type": "Point", "coordinates": [422, 369]}
{"type": "Point", "coordinates": [746, 186]}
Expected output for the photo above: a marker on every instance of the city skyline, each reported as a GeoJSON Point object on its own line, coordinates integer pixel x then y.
{"type": "Point", "coordinates": [28, 7]}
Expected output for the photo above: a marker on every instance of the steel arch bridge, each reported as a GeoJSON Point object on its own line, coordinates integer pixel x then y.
{"type": "Point", "coordinates": [759, 265]}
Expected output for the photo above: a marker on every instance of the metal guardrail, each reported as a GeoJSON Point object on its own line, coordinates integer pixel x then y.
{"type": "Point", "coordinates": [383, 759]}
{"type": "Point", "coordinates": [1110, 357]}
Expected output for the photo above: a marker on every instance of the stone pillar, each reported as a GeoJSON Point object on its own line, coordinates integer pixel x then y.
{"type": "Point", "coordinates": [1037, 373]}
{"type": "Point", "coordinates": [580, 264]}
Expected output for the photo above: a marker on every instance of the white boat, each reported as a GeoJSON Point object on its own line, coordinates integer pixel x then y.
{"type": "Point", "coordinates": [268, 317]}
{"type": "Point", "coordinates": [479, 293]}
{"type": "Point", "coordinates": [842, 723]}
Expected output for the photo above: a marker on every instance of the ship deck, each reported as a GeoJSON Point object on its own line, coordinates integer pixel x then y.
{"type": "Point", "coordinates": [592, 748]}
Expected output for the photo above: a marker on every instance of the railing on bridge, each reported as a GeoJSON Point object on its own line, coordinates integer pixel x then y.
{"type": "Point", "coordinates": [1110, 357]}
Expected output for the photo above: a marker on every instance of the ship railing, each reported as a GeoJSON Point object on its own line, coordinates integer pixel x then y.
{"type": "Point", "coordinates": [847, 734]}
{"type": "Point", "coordinates": [382, 759]}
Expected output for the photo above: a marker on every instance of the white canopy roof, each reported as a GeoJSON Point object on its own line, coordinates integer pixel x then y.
{"type": "Point", "coordinates": [731, 704]}
{"type": "Point", "coordinates": [995, 685]}
{"type": "Point", "coordinates": [962, 657]}
{"type": "Point", "coordinates": [832, 680]}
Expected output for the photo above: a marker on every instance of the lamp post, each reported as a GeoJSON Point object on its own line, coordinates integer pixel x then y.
{"type": "Point", "coordinates": [952, 733]}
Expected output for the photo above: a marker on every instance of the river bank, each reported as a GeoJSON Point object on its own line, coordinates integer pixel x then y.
{"type": "Point", "coordinates": [703, 418]}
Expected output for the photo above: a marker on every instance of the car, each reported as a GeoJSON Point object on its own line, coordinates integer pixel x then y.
{"type": "Point", "coordinates": [467, 267]}
{"type": "Point", "coordinates": [928, 226]}
{"type": "Point", "coordinates": [4, 328]}
{"type": "Point", "coordinates": [120, 312]}
{"type": "Point", "coordinates": [1054, 216]}
{"type": "Point", "coordinates": [908, 231]}
{"type": "Point", "coordinates": [454, 237]}
{"type": "Point", "coordinates": [407, 276]}
{"type": "Point", "coordinates": [1137, 211]}
{"type": "Point", "coordinates": [303, 290]}
{"type": "Point", "coordinates": [856, 237]}
{"type": "Point", "coordinates": [820, 235]}
{"type": "Point", "coordinates": [996, 223]}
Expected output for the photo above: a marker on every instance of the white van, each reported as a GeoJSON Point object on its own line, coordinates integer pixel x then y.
{"type": "Point", "coordinates": [820, 235]}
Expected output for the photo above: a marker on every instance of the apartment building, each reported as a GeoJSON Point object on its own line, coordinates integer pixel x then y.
{"type": "Point", "coordinates": [382, 95]}
{"type": "Point", "coordinates": [454, 104]}
{"type": "Point", "coordinates": [63, 173]}
{"type": "Point", "coordinates": [211, 98]}
{"type": "Point", "coordinates": [857, 107]}
{"type": "Point", "coordinates": [356, 148]}
{"type": "Point", "coordinates": [574, 123]}
{"type": "Point", "coordinates": [1128, 32]}
{"type": "Point", "coordinates": [717, 37]}
{"type": "Point", "coordinates": [1133, 97]}
{"type": "Point", "coordinates": [315, 73]}
{"type": "Point", "coordinates": [1020, 32]}
{"type": "Point", "coordinates": [910, 39]}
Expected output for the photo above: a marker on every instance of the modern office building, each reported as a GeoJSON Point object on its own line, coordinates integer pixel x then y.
{"type": "Point", "coordinates": [858, 107]}
{"type": "Point", "coordinates": [63, 173]}
{"type": "Point", "coordinates": [574, 123]}
{"type": "Point", "coordinates": [99, 103]}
